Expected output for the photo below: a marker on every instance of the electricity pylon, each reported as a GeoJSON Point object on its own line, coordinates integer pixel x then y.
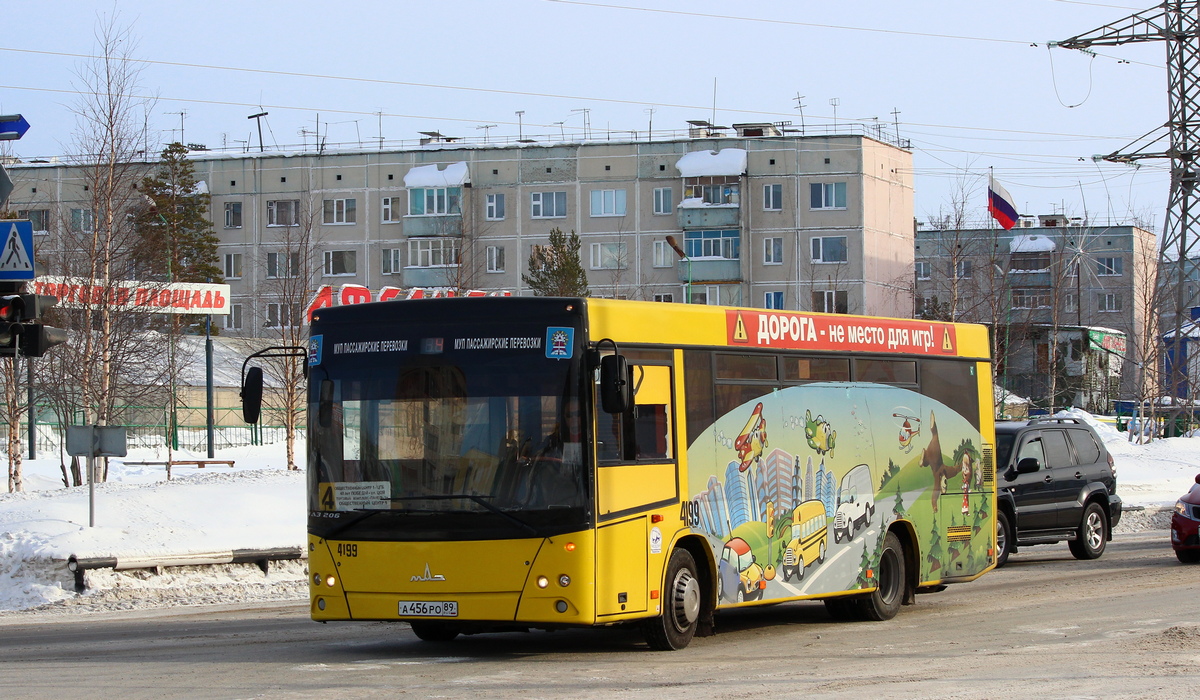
{"type": "Point", "coordinates": [1177, 23]}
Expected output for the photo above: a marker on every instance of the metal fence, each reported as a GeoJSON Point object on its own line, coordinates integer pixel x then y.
{"type": "Point", "coordinates": [151, 427]}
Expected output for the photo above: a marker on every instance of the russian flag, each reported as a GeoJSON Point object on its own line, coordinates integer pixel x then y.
{"type": "Point", "coordinates": [1001, 205]}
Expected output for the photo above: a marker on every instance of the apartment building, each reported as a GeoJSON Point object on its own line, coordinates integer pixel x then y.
{"type": "Point", "coordinates": [753, 215]}
{"type": "Point", "coordinates": [1058, 291]}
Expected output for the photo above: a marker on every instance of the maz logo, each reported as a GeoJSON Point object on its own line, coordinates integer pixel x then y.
{"type": "Point", "coordinates": [428, 576]}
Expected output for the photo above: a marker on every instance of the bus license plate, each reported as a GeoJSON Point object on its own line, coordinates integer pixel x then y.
{"type": "Point", "coordinates": [425, 608]}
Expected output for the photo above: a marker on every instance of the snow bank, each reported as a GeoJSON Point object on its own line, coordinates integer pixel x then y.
{"type": "Point", "coordinates": [455, 175]}
{"type": "Point", "coordinates": [726, 162]}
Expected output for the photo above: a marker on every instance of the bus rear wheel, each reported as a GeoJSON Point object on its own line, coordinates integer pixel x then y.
{"type": "Point", "coordinates": [884, 602]}
{"type": "Point", "coordinates": [676, 626]}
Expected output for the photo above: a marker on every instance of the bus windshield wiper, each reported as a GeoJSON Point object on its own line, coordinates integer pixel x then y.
{"type": "Point", "coordinates": [481, 500]}
{"type": "Point", "coordinates": [354, 521]}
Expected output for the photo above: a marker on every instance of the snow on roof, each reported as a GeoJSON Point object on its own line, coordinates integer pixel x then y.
{"type": "Point", "coordinates": [1031, 244]}
{"type": "Point", "coordinates": [455, 175]}
{"type": "Point", "coordinates": [727, 161]}
{"type": "Point", "coordinates": [200, 188]}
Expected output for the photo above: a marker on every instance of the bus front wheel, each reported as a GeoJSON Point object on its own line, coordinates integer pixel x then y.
{"type": "Point", "coordinates": [676, 626]}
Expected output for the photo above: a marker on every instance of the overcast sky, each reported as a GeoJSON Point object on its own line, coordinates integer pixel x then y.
{"type": "Point", "coordinates": [974, 84]}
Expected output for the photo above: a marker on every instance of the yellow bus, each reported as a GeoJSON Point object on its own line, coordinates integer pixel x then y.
{"type": "Point", "coordinates": [490, 464]}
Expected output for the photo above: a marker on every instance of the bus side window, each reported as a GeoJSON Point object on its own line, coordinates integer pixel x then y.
{"type": "Point", "coordinates": [645, 432]}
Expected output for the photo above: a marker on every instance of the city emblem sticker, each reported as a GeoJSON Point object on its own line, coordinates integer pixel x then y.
{"type": "Point", "coordinates": [656, 540]}
{"type": "Point", "coordinates": [560, 343]}
{"type": "Point", "coordinates": [314, 350]}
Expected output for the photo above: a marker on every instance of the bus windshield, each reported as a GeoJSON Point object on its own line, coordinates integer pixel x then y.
{"type": "Point", "coordinates": [473, 444]}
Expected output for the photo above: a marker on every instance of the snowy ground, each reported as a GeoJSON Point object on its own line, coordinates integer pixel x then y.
{"type": "Point", "coordinates": [258, 504]}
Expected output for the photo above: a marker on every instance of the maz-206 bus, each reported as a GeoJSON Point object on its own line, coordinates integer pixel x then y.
{"type": "Point", "coordinates": [490, 464]}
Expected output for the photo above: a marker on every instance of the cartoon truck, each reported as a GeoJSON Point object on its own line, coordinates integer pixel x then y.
{"type": "Point", "coordinates": [810, 533]}
{"type": "Point", "coordinates": [739, 575]}
{"type": "Point", "coordinates": [855, 503]}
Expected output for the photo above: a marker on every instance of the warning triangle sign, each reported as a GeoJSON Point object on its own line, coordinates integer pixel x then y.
{"type": "Point", "coordinates": [947, 343]}
{"type": "Point", "coordinates": [739, 330]}
{"type": "Point", "coordinates": [14, 257]}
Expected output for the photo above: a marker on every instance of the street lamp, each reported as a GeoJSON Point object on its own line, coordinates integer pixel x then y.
{"type": "Point", "coordinates": [687, 289]}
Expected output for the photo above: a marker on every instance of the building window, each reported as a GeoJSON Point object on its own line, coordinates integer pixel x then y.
{"type": "Point", "coordinates": [283, 265]}
{"type": "Point", "coordinates": [773, 198]}
{"type": "Point", "coordinates": [495, 207]}
{"type": "Point", "coordinates": [922, 269]}
{"type": "Point", "coordinates": [772, 253]}
{"type": "Point", "coordinates": [391, 263]}
{"type": "Point", "coordinates": [233, 214]}
{"type": "Point", "coordinates": [962, 269]}
{"type": "Point", "coordinates": [548, 205]}
{"type": "Point", "coordinates": [773, 300]}
{"type": "Point", "coordinates": [1037, 298]}
{"type": "Point", "coordinates": [608, 202]}
{"type": "Point", "coordinates": [283, 212]}
{"type": "Point", "coordinates": [495, 257]}
{"type": "Point", "coordinates": [340, 262]}
{"type": "Point", "coordinates": [40, 218]}
{"type": "Point", "coordinates": [1070, 303]}
{"type": "Point", "coordinates": [827, 195]}
{"type": "Point", "coordinates": [282, 315]}
{"type": "Point", "coordinates": [723, 245]}
{"type": "Point", "coordinates": [608, 256]}
{"type": "Point", "coordinates": [665, 298]}
{"type": "Point", "coordinates": [82, 221]}
{"type": "Point", "coordinates": [1109, 302]}
{"type": "Point", "coordinates": [434, 201]}
{"type": "Point", "coordinates": [831, 302]}
{"type": "Point", "coordinates": [829, 249]}
{"type": "Point", "coordinates": [233, 266]}
{"type": "Point", "coordinates": [233, 320]}
{"type": "Point", "coordinates": [664, 255]}
{"type": "Point", "coordinates": [715, 194]}
{"type": "Point", "coordinates": [1029, 262]}
{"type": "Point", "coordinates": [662, 200]}
{"type": "Point", "coordinates": [1108, 267]}
{"type": "Point", "coordinates": [433, 252]}
{"type": "Point", "coordinates": [925, 305]}
{"type": "Point", "coordinates": [391, 209]}
{"type": "Point", "coordinates": [339, 211]}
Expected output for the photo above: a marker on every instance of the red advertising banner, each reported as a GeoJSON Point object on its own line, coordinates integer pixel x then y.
{"type": "Point", "coordinates": [785, 330]}
{"type": "Point", "coordinates": [125, 295]}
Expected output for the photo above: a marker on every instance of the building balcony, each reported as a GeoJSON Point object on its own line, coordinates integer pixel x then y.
{"type": "Point", "coordinates": [705, 270]}
{"type": "Point", "coordinates": [709, 216]}
{"type": "Point", "coordinates": [448, 225]}
{"type": "Point", "coordinates": [441, 276]}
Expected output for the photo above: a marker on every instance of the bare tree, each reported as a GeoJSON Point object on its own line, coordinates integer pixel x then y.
{"type": "Point", "coordinates": [110, 140]}
{"type": "Point", "coordinates": [292, 266]}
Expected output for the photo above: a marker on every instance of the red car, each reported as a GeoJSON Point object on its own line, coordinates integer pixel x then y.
{"type": "Point", "coordinates": [1185, 526]}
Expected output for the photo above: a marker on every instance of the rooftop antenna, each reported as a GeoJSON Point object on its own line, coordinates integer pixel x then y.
{"type": "Point", "coordinates": [834, 102]}
{"type": "Point", "coordinates": [380, 115]}
{"type": "Point", "coordinates": [561, 130]}
{"type": "Point", "coordinates": [714, 112]}
{"type": "Point", "coordinates": [800, 106]}
{"type": "Point", "coordinates": [587, 121]}
{"type": "Point", "coordinates": [258, 118]}
{"type": "Point", "coordinates": [487, 129]}
{"type": "Point", "coordinates": [520, 125]}
{"type": "Point", "coordinates": [650, 126]}
{"type": "Point", "coordinates": [181, 114]}
{"type": "Point", "coordinates": [896, 121]}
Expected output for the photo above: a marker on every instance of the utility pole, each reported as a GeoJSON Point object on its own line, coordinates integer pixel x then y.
{"type": "Point", "coordinates": [1177, 23]}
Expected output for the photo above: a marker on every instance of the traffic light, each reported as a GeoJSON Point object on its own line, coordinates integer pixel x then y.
{"type": "Point", "coordinates": [36, 338]}
{"type": "Point", "coordinates": [11, 308]}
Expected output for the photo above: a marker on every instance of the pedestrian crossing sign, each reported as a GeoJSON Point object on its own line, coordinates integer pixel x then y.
{"type": "Point", "coordinates": [16, 256]}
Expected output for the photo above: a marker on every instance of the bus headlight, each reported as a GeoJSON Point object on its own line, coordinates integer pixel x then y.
{"type": "Point", "coordinates": [330, 580]}
{"type": "Point", "coordinates": [542, 582]}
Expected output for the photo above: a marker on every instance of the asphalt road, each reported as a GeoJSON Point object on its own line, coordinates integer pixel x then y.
{"type": "Point", "coordinates": [1125, 625]}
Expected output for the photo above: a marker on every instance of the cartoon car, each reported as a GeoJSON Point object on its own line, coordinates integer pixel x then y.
{"type": "Point", "coordinates": [740, 578]}
{"type": "Point", "coordinates": [855, 503]}
{"type": "Point", "coordinates": [810, 533]}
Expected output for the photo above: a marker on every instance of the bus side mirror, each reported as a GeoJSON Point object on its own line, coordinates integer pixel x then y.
{"type": "Point", "coordinates": [325, 407]}
{"type": "Point", "coordinates": [616, 393]}
{"type": "Point", "coordinates": [252, 389]}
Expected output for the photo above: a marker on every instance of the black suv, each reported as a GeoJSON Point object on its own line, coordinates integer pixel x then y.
{"type": "Point", "coordinates": [1057, 483]}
